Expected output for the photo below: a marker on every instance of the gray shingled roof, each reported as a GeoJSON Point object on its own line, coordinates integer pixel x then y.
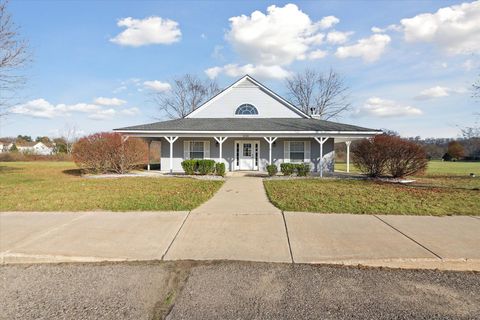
{"type": "Point", "coordinates": [245, 124]}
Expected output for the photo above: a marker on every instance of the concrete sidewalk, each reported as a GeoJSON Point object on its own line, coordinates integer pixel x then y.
{"type": "Point", "coordinates": [392, 241]}
{"type": "Point", "coordinates": [239, 223]}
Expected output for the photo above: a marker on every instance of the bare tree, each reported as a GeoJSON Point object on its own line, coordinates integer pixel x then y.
{"type": "Point", "coordinates": [318, 94]}
{"type": "Point", "coordinates": [70, 135]}
{"type": "Point", "coordinates": [187, 93]}
{"type": "Point", "coordinates": [13, 56]}
{"type": "Point", "coordinates": [473, 131]}
{"type": "Point", "coordinates": [476, 89]}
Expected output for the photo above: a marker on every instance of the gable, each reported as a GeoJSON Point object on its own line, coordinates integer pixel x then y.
{"type": "Point", "coordinates": [247, 91]}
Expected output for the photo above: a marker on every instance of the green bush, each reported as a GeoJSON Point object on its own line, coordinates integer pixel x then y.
{"type": "Point", "coordinates": [303, 169]}
{"type": "Point", "coordinates": [272, 170]}
{"type": "Point", "coordinates": [189, 166]}
{"type": "Point", "coordinates": [287, 168]}
{"type": "Point", "coordinates": [206, 166]}
{"type": "Point", "coordinates": [220, 169]}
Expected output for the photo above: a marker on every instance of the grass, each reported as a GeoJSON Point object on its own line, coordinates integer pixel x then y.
{"type": "Point", "coordinates": [57, 186]}
{"type": "Point", "coordinates": [435, 168]}
{"type": "Point", "coordinates": [445, 189]}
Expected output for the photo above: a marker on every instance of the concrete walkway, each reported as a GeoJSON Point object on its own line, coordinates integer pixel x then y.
{"type": "Point", "coordinates": [239, 223]}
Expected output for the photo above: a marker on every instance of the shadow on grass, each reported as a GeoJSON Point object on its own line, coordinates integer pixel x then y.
{"type": "Point", "coordinates": [74, 172]}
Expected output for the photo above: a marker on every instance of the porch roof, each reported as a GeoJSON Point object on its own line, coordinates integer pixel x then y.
{"type": "Point", "coordinates": [227, 125]}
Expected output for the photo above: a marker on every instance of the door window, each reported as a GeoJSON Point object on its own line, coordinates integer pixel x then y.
{"type": "Point", "coordinates": [247, 149]}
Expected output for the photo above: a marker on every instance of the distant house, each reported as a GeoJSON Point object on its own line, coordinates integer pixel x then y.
{"type": "Point", "coordinates": [35, 147]}
{"type": "Point", "coordinates": [5, 145]}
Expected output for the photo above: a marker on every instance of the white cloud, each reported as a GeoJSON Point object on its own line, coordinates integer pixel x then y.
{"type": "Point", "coordinates": [456, 29]}
{"type": "Point", "coordinates": [157, 85]}
{"type": "Point", "coordinates": [469, 64]}
{"type": "Point", "coordinates": [151, 30]}
{"type": "Point", "coordinates": [119, 89]}
{"type": "Point", "coordinates": [317, 54]}
{"type": "Point", "coordinates": [328, 22]}
{"type": "Point", "coordinates": [130, 111]}
{"type": "Point", "coordinates": [38, 108]}
{"type": "Point", "coordinates": [41, 108]}
{"type": "Point", "coordinates": [434, 92]}
{"type": "Point", "coordinates": [438, 92]}
{"type": "Point", "coordinates": [279, 37]}
{"type": "Point", "coordinates": [392, 27]}
{"type": "Point", "coordinates": [369, 49]}
{"type": "Point", "coordinates": [383, 108]}
{"type": "Point", "coordinates": [338, 37]}
{"type": "Point", "coordinates": [217, 52]}
{"type": "Point", "coordinates": [260, 71]}
{"type": "Point", "coordinates": [102, 114]}
{"type": "Point", "coordinates": [109, 101]}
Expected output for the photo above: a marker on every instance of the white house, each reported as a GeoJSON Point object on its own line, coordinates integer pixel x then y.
{"type": "Point", "coordinates": [247, 126]}
{"type": "Point", "coordinates": [5, 146]}
{"type": "Point", "coordinates": [39, 148]}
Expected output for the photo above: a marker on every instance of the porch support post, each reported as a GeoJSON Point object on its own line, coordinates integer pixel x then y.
{"type": "Point", "coordinates": [220, 141]}
{"type": "Point", "coordinates": [149, 142]}
{"type": "Point", "coordinates": [348, 155]}
{"type": "Point", "coordinates": [321, 141]}
{"type": "Point", "coordinates": [171, 140]}
{"type": "Point", "coordinates": [270, 141]}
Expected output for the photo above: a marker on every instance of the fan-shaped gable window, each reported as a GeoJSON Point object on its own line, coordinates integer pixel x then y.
{"type": "Point", "coordinates": [246, 109]}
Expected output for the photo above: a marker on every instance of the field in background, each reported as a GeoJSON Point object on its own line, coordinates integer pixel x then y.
{"type": "Point", "coordinates": [435, 167]}
{"type": "Point", "coordinates": [57, 186]}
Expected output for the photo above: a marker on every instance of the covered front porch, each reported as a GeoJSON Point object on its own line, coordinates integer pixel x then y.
{"type": "Point", "coordinates": [250, 152]}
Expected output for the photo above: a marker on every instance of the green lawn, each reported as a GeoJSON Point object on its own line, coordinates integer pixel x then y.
{"type": "Point", "coordinates": [446, 188]}
{"type": "Point", "coordinates": [56, 186]}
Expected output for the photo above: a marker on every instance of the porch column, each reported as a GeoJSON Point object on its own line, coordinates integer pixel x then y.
{"type": "Point", "coordinates": [270, 141]}
{"type": "Point", "coordinates": [321, 141]}
{"type": "Point", "coordinates": [220, 141]}
{"type": "Point", "coordinates": [348, 155]}
{"type": "Point", "coordinates": [149, 142]}
{"type": "Point", "coordinates": [171, 140]}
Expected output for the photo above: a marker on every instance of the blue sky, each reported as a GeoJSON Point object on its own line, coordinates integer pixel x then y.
{"type": "Point", "coordinates": [96, 63]}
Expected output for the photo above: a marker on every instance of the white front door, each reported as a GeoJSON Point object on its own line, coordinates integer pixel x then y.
{"type": "Point", "coordinates": [246, 154]}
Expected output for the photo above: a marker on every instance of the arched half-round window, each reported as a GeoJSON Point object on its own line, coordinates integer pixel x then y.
{"type": "Point", "coordinates": [246, 109]}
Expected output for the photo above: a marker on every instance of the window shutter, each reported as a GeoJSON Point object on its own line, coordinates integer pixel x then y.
{"type": "Point", "coordinates": [206, 149]}
{"type": "Point", "coordinates": [286, 151]}
{"type": "Point", "coordinates": [186, 150]}
{"type": "Point", "coordinates": [307, 151]}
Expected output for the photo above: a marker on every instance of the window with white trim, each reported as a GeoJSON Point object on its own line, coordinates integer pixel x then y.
{"type": "Point", "coordinates": [246, 110]}
{"type": "Point", "coordinates": [197, 150]}
{"type": "Point", "coordinates": [297, 151]}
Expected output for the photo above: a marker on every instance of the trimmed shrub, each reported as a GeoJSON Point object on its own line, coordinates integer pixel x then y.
{"type": "Point", "coordinates": [303, 169]}
{"type": "Point", "coordinates": [189, 166]}
{"type": "Point", "coordinates": [287, 169]}
{"type": "Point", "coordinates": [206, 166]}
{"type": "Point", "coordinates": [389, 154]}
{"type": "Point", "coordinates": [108, 152]}
{"type": "Point", "coordinates": [220, 169]}
{"type": "Point", "coordinates": [272, 170]}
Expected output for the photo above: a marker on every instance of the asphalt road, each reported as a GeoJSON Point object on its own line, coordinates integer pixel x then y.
{"type": "Point", "coordinates": [234, 290]}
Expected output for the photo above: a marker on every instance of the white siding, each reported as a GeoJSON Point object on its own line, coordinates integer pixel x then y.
{"type": "Point", "coordinates": [225, 105]}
